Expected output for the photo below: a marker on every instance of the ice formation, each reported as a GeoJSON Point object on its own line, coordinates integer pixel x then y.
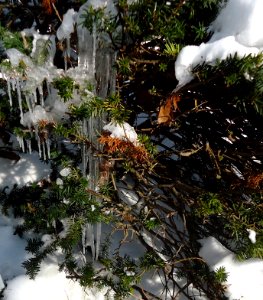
{"type": "Point", "coordinates": [34, 88]}
{"type": "Point", "coordinates": [236, 30]}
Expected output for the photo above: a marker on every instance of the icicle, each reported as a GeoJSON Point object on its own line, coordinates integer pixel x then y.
{"type": "Point", "coordinates": [13, 84]}
{"type": "Point", "coordinates": [35, 95]}
{"type": "Point", "coordinates": [67, 53]}
{"type": "Point", "coordinates": [21, 143]}
{"type": "Point", "coordinates": [28, 102]}
{"type": "Point", "coordinates": [19, 97]}
{"type": "Point", "coordinates": [83, 240]}
{"type": "Point", "coordinates": [29, 147]}
{"type": "Point", "coordinates": [38, 141]}
{"type": "Point", "coordinates": [65, 60]}
{"type": "Point", "coordinates": [9, 91]}
{"type": "Point", "coordinates": [98, 238]}
{"type": "Point", "coordinates": [88, 239]}
{"type": "Point", "coordinates": [41, 94]}
{"type": "Point", "coordinates": [48, 143]}
{"type": "Point", "coordinates": [94, 49]}
{"type": "Point", "coordinates": [84, 148]}
{"type": "Point", "coordinates": [32, 100]}
{"type": "Point", "coordinates": [39, 147]}
{"type": "Point", "coordinates": [44, 150]}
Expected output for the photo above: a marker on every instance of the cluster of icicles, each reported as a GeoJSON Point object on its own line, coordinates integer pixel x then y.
{"type": "Point", "coordinates": [35, 113]}
{"type": "Point", "coordinates": [50, 107]}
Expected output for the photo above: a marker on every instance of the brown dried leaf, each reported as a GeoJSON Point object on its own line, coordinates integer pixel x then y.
{"type": "Point", "coordinates": [166, 111]}
{"type": "Point", "coordinates": [47, 5]}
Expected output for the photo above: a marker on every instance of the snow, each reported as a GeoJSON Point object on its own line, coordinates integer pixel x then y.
{"type": "Point", "coordinates": [122, 131]}
{"type": "Point", "coordinates": [49, 284]}
{"type": "Point", "coordinates": [236, 30]}
{"type": "Point", "coordinates": [28, 169]}
{"type": "Point", "coordinates": [245, 279]}
{"type": "Point", "coordinates": [252, 235]}
{"type": "Point", "coordinates": [65, 172]}
{"type": "Point", "coordinates": [12, 253]}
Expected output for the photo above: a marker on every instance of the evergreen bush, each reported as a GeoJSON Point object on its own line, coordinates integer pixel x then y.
{"type": "Point", "coordinates": [183, 178]}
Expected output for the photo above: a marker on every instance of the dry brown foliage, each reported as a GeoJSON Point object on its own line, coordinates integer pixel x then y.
{"type": "Point", "coordinates": [255, 181]}
{"type": "Point", "coordinates": [47, 5]}
{"type": "Point", "coordinates": [126, 149]}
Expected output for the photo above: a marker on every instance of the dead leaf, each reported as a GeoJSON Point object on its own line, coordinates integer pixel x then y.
{"type": "Point", "coordinates": [167, 110]}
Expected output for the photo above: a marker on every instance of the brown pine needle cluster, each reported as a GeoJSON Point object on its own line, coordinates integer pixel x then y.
{"type": "Point", "coordinates": [125, 149]}
{"type": "Point", "coordinates": [47, 5]}
{"type": "Point", "coordinates": [255, 181]}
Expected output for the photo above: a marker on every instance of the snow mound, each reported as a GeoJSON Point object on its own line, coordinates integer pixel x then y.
{"type": "Point", "coordinates": [12, 253]}
{"type": "Point", "coordinates": [236, 30]}
{"type": "Point", "coordinates": [122, 131]}
{"type": "Point", "coordinates": [245, 279]}
{"type": "Point", "coordinates": [28, 169]}
{"type": "Point", "coordinates": [49, 284]}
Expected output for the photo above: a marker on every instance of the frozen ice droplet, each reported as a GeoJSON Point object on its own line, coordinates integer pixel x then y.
{"type": "Point", "coordinates": [59, 181]}
{"type": "Point", "coordinates": [252, 235]}
{"type": "Point", "coordinates": [65, 172]}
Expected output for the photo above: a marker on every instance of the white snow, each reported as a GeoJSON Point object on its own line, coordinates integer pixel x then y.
{"type": "Point", "coordinates": [28, 169]}
{"type": "Point", "coordinates": [2, 285]}
{"type": "Point", "coordinates": [252, 235]}
{"type": "Point", "coordinates": [12, 253]}
{"type": "Point", "coordinates": [122, 131]}
{"type": "Point", "coordinates": [236, 30]}
{"type": "Point", "coordinates": [65, 172]}
{"type": "Point", "coordinates": [49, 284]}
{"type": "Point", "coordinates": [245, 279]}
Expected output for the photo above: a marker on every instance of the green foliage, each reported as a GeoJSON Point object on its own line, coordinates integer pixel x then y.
{"type": "Point", "coordinates": [93, 106]}
{"type": "Point", "coordinates": [221, 274]}
{"type": "Point", "coordinates": [88, 274]}
{"type": "Point", "coordinates": [33, 245]}
{"type": "Point", "coordinates": [150, 261]}
{"type": "Point", "coordinates": [92, 16]}
{"type": "Point", "coordinates": [151, 223]}
{"type": "Point", "coordinates": [12, 40]}
{"type": "Point", "coordinates": [171, 49]}
{"type": "Point", "coordinates": [148, 144]}
{"type": "Point", "coordinates": [124, 66]}
{"type": "Point", "coordinates": [209, 204]}
{"type": "Point", "coordinates": [243, 76]}
{"type": "Point", "coordinates": [65, 86]}
{"type": "Point", "coordinates": [32, 265]}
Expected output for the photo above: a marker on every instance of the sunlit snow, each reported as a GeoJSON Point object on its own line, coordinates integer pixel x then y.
{"type": "Point", "coordinates": [27, 170]}
{"type": "Point", "coordinates": [236, 30]}
{"type": "Point", "coordinates": [245, 279]}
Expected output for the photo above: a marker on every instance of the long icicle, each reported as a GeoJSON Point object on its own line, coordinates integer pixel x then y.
{"type": "Point", "coordinates": [41, 94]}
{"type": "Point", "coordinates": [19, 97]}
{"type": "Point", "coordinates": [9, 91]}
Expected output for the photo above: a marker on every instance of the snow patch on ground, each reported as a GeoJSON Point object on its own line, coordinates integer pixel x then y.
{"type": "Point", "coordinates": [27, 170]}
{"type": "Point", "coordinates": [245, 279]}
{"type": "Point", "coordinates": [49, 284]}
